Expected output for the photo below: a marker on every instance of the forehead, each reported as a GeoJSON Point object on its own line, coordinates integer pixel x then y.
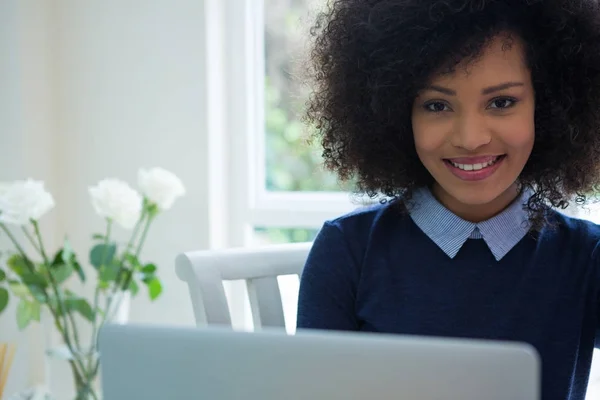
{"type": "Point", "coordinates": [501, 60]}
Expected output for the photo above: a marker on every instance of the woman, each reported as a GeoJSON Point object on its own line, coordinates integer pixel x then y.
{"type": "Point", "coordinates": [478, 120]}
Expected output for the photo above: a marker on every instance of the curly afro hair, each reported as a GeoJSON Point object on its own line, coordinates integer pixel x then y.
{"type": "Point", "coordinates": [371, 57]}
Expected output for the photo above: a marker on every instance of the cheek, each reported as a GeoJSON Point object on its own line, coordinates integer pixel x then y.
{"type": "Point", "coordinates": [519, 136]}
{"type": "Point", "coordinates": [429, 137]}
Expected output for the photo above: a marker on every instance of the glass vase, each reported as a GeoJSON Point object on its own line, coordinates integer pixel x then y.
{"type": "Point", "coordinates": [81, 365]}
{"type": "Point", "coordinates": [85, 385]}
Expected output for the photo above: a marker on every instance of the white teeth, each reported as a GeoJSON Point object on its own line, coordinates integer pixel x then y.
{"type": "Point", "coordinates": [475, 167]}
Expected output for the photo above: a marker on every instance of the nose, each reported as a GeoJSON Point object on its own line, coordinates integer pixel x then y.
{"type": "Point", "coordinates": [471, 132]}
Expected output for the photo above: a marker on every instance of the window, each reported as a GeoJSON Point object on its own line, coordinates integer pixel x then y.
{"type": "Point", "coordinates": [290, 163]}
{"type": "Point", "coordinates": [281, 188]}
{"type": "Point", "coordinates": [265, 236]}
{"type": "Point", "coordinates": [279, 191]}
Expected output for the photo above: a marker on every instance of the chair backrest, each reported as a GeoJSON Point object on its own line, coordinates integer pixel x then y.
{"type": "Point", "coordinates": [205, 271]}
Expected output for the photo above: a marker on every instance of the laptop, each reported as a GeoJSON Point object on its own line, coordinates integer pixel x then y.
{"type": "Point", "coordinates": [154, 362]}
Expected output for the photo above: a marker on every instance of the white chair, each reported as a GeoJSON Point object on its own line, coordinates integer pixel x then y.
{"type": "Point", "coordinates": [205, 271]}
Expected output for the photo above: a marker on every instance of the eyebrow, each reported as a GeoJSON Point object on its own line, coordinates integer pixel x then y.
{"type": "Point", "coordinates": [487, 90]}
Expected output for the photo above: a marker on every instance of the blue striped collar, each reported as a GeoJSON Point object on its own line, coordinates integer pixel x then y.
{"type": "Point", "coordinates": [501, 232]}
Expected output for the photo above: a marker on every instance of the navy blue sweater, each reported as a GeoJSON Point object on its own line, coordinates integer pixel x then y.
{"type": "Point", "coordinates": [376, 271]}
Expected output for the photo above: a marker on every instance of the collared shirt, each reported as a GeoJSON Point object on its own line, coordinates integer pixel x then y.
{"type": "Point", "coordinates": [450, 232]}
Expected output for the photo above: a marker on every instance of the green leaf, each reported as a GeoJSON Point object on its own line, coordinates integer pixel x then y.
{"type": "Point", "coordinates": [134, 287]}
{"type": "Point", "coordinates": [58, 258]}
{"type": "Point", "coordinates": [36, 311]}
{"type": "Point", "coordinates": [34, 280]}
{"type": "Point", "coordinates": [133, 261]}
{"type": "Point", "coordinates": [23, 291]}
{"type": "Point", "coordinates": [38, 293]}
{"type": "Point", "coordinates": [53, 303]}
{"type": "Point", "coordinates": [2, 275]}
{"type": "Point", "coordinates": [3, 298]}
{"type": "Point", "coordinates": [77, 267]}
{"type": "Point", "coordinates": [61, 272]}
{"type": "Point", "coordinates": [149, 269]}
{"type": "Point", "coordinates": [80, 305]}
{"type": "Point", "coordinates": [68, 257]}
{"type": "Point", "coordinates": [98, 236]}
{"type": "Point", "coordinates": [154, 287]}
{"type": "Point", "coordinates": [25, 313]}
{"type": "Point", "coordinates": [102, 254]}
{"type": "Point", "coordinates": [125, 279]}
{"type": "Point", "coordinates": [68, 253]}
{"type": "Point", "coordinates": [108, 273]}
{"type": "Point", "coordinates": [18, 264]}
{"type": "Point", "coordinates": [18, 289]}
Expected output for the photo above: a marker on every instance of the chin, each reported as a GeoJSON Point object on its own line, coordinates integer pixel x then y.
{"type": "Point", "coordinates": [475, 197]}
{"type": "Point", "coordinates": [480, 194]}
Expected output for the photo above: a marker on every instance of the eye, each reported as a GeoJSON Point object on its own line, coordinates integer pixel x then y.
{"type": "Point", "coordinates": [503, 103]}
{"type": "Point", "coordinates": [436, 106]}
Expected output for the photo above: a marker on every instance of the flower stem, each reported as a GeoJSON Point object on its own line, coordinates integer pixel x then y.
{"type": "Point", "coordinates": [13, 240]}
{"type": "Point", "coordinates": [118, 283]}
{"type": "Point", "coordinates": [75, 332]}
{"type": "Point", "coordinates": [61, 304]}
{"type": "Point", "coordinates": [85, 388]}
{"type": "Point", "coordinates": [140, 246]}
{"type": "Point", "coordinates": [53, 282]}
{"type": "Point", "coordinates": [31, 240]}
{"type": "Point", "coordinates": [97, 292]}
{"type": "Point", "coordinates": [28, 262]}
{"type": "Point", "coordinates": [144, 234]}
{"type": "Point", "coordinates": [36, 229]}
{"type": "Point", "coordinates": [121, 267]}
{"type": "Point", "coordinates": [134, 234]}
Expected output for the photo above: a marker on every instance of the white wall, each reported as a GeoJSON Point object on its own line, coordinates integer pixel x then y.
{"type": "Point", "coordinates": [98, 89]}
{"type": "Point", "coordinates": [26, 146]}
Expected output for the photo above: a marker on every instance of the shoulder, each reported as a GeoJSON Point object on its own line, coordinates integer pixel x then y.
{"type": "Point", "coordinates": [578, 232]}
{"type": "Point", "coordinates": [338, 251]}
{"type": "Point", "coordinates": [573, 247]}
{"type": "Point", "coordinates": [363, 221]}
{"type": "Point", "coordinates": [573, 225]}
{"type": "Point", "coordinates": [357, 231]}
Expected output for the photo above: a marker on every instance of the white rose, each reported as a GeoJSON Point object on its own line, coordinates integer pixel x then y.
{"type": "Point", "coordinates": [23, 201]}
{"type": "Point", "coordinates": [160, 186]}
{"type": "Point", "coordinates": [116, 200]}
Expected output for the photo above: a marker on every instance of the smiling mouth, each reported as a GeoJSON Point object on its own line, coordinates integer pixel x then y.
{"type": "Point", "coordinates": [477, 163]}
{"type": "Point", "coordinates": [473, 169]}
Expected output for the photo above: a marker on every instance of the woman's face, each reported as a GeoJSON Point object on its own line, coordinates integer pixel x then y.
{"type": "Point", "coordinates": [474, 130]}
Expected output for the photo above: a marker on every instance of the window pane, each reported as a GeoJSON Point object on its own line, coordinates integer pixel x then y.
{"type": "Point", "coordinates": [265, 236]}
{"type": "Point", "coordinates": [291, 164]}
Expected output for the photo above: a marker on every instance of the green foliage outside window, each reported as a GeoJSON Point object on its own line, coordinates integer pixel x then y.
{"type": "Point", "coordinates": [284, 235]}
{"type": "Point", "coordinates": [292, 163]}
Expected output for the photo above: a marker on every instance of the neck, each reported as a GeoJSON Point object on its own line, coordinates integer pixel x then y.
{"type": "Point", "coordinates": [476, 212]}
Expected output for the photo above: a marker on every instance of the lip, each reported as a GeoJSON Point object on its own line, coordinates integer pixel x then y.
{"type": "Point", "coordinates": [474, 160]}
{"type": "Point", "coordinates": [478, 175]}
